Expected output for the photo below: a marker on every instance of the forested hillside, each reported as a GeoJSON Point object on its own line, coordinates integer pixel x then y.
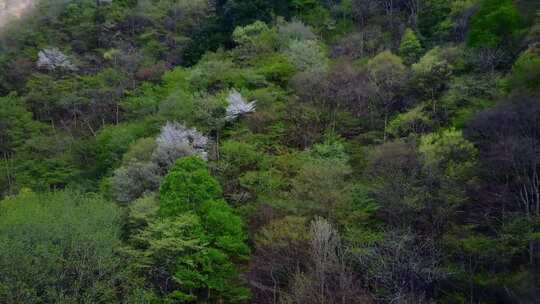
{"type": "Point", "coordinates": [270, 151]}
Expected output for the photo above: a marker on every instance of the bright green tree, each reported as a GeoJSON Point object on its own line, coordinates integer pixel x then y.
{"type": "Point", "coordinates": [193, 244]}
{"type": "Point", "coordinates": [187, 186]}
{"type": "Point", "coordinates": [410, 48]}
{"type": "Point", "coordinates": [187, 263]}
{"type": "Point", "coordinates": [449, 153]}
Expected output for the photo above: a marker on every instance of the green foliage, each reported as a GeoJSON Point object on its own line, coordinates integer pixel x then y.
{"type": "Point", "coordinates": [130, 182]}
{"type": "Point", "coordinates": [61, 248]}
{"type": "Point", "coordinates": [441, 20]}
{"type": "Point", "coordinates": [139, 151]}
{"type": "Point", "coordinates": [196, 238]}
{"type": "Point", "coordinates": [414, 121]}
{"type": "Point", "coordinates": [410, 48]}
{"type": "Point", "coordinates": [275, 68]}
{"type": "Point", "coordinates": [238, 159]}
{"type": "Point", "coordinates": [256, 37]}
{"type": "Point", "coordinates": [307, 55]}
{"type": "Point", "coordinates": [393, 173]}
{"type": "Point", "coordinates": [387, 75]}
{"type": "Point", "coordinates": [225, 229]}
{"type": "Point", "coordinates": [214, 74]}
{"type": "Point", "coordinates": [177, 99]}
{"type": "Point", "coordinates": [314, 13]}
{"type": "Point", "coordinates": [262, 184]}
{"type": "Point", "coordinates": [467, 95]}
{"type": "Point", "coordinates": [140, 213]}
{"type": "Point", "coordinates": [113, 141]}
{"type": "Point", "coordinates": [359, 212]}
{"type": "Point", "coordinates": [294, 30]}
{"type": "Point", "coordinates": [284, 232]}
{"type": "Point", "coordinates": [433, 15]}
{"type": "Point", "coordinates": [434, 69]}
{"type": "Point", "coordinates": [63, 100]}
{"type": "Point", "coordinates": [424, 194]}
{"type": "Point", "coordinates": [187, 186]}
{"type": "Point", "coordinates": [496, 23]}
{"type": "Point", "coordinates": [199, 271]}
{"type": "Point", "coordinates": [386, 69]}
{"type": "Point", "coordinates": [526, 71]}
{"type": "Point", "coordinates": [16, 124]}
{"type": "Point", "coordinates": [451, 152]}
{"type": "Point", "coordinates": [145, 101]}
{"type": "Point", "coordinates": [137, 175]}
{"type": "Point", "coordinates": [320, 185]}
{"type": "Point", "coordinates": [46, 162]}
{"type": "Point", "coordinates": [437, 59]}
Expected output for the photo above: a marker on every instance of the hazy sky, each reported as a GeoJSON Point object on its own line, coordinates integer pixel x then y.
{"type": "Point", "coordinates": [12, 9]}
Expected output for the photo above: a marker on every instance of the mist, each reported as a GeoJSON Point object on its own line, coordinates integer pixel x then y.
{"type": "Point", "coordinates": [13, 9]}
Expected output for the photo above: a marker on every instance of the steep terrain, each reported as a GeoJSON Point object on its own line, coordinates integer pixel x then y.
{"type": "Point", "coordinates": [263, 151]}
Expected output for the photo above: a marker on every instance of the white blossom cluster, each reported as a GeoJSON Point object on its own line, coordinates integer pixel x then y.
{"type": "Point", "coordinates": [238, 105]}
{"type": "Point", "coordinates": [144, 175]}
{"type": "Point", "coordinates": [53, 59]}
{"type": "Point", "coordinates": [176, 141]}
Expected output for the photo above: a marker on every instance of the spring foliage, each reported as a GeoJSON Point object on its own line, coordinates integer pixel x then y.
{"type": "Point", "coordinates": [256, 151]}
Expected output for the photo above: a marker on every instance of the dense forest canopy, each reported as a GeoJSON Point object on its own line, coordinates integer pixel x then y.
{"type": "Point", "coordinates": [270, 151]}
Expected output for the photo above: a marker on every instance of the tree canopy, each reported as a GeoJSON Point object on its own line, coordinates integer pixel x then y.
{"type": "Point", "coordinates": [270, 151]}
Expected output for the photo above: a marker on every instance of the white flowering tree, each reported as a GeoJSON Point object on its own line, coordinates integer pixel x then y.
{"type": "Point", "coordinates": [238, 106]}
{"type": "Point", "coordinates": [176, 141]}
{"type": "Point", "coordinates": [143, 175]}
{"type": "Point", "coordinates": [53, 59]}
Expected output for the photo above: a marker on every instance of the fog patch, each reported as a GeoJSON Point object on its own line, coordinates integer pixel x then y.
{"type": "Point", "coordinates": [13, 9]}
